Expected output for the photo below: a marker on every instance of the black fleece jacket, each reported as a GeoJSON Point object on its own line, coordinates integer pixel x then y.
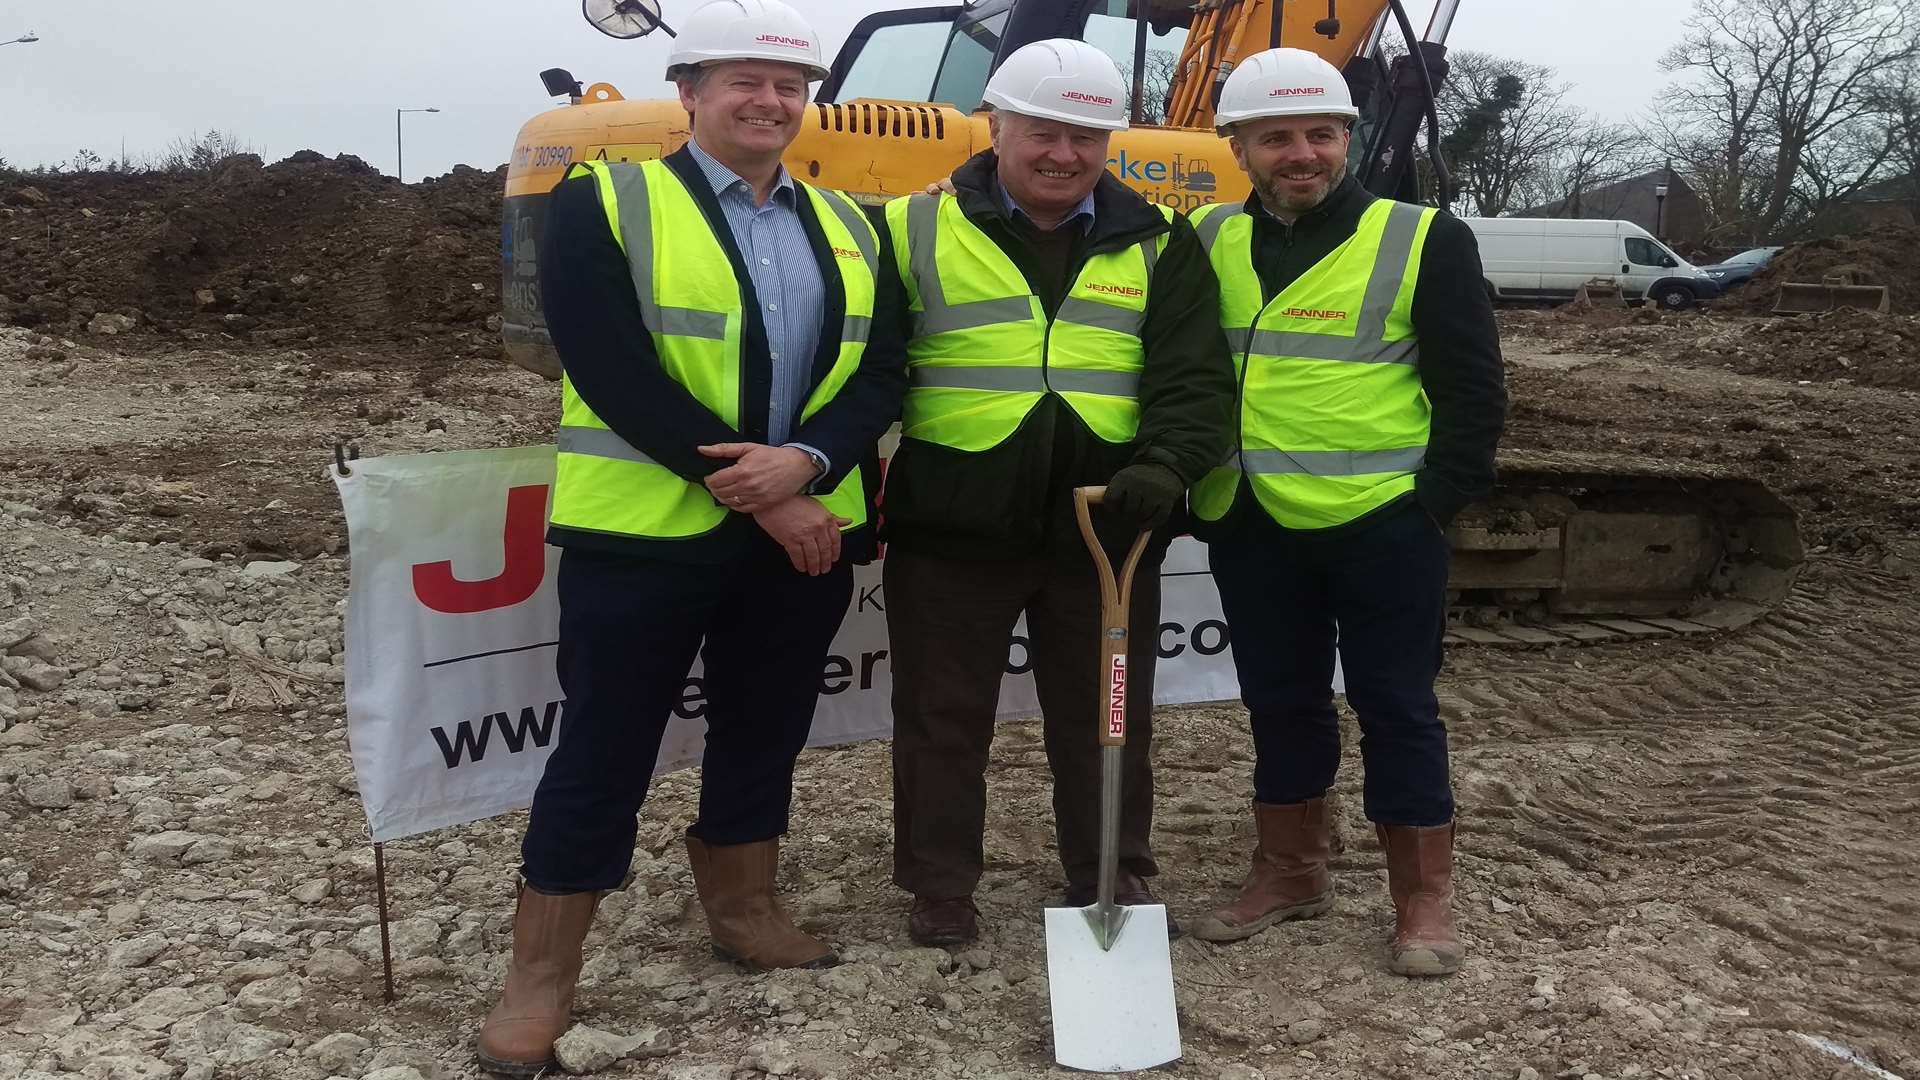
{"type": "Point", "coordinates": [1015, 499]}
{"type": "Point", "coordinates": [594, 316]}
{"type": "Point", "coordinates": [1460, 365]}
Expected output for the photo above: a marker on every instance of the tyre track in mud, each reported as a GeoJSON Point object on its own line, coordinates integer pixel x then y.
{"type": "Point", "coordinates": [1765, 781]}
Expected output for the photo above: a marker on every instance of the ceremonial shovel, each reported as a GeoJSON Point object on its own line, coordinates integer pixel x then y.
{"type": "Point", "coordinates": [1108, 967]}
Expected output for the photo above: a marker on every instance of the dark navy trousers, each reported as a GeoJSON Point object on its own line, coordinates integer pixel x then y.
{"type": "Point", "coordinates": [629, 631]}
{"type": "Point", "coordinates": [1380, 586]}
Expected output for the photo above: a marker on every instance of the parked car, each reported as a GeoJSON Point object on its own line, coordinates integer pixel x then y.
{"type": "Point", "coordinates": [1550, 258]}
{"type": "Point", "coordinates": [1741, 268]}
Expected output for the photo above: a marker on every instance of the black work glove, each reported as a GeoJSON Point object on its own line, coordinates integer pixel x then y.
{"type": "Point", "coordinates": [1145, 494]}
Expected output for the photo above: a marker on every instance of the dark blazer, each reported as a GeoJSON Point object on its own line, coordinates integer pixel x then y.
{"type": "Point", "coordinates": [594, 316]}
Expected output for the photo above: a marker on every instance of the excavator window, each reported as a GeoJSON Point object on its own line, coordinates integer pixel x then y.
{"type": "Point", "coordinates": [891, 58]}
{"type": "Point", "coordinates": [938, 54]}
{"type": "Point", "coordinates": [1111, 29]}
{"type": "Point", "coordinates": [895, 62]}
{"type": "Point", "coordinates": [963, 71]}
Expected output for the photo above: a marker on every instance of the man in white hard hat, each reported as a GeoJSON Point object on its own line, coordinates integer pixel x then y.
{"type": "Point", "coordinates": [1372, 400]}
{"type": "Point", "coordinates": [721, 412]}
{"type": "Point", "coordinates": [1064, 333]}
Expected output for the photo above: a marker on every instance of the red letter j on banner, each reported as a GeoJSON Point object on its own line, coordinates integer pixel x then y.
{"type": "Point", "coordinates": [524, 539]}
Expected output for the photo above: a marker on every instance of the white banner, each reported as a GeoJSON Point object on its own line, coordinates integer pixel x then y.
{"type": "Point", "coordinates": [452, 699]}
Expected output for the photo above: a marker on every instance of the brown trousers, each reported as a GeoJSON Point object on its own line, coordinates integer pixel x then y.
{"type": "Point", "coordinates": [949, 623]}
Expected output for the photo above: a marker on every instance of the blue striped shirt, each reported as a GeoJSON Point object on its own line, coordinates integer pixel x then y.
{"type": "Point", "coordinates": [1082, 213]}
{"type": "Point", "coordinates": [793, 297]}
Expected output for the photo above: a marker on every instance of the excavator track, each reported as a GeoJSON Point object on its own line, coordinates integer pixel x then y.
{"type": "Point", "coordinates": [1575, 549]}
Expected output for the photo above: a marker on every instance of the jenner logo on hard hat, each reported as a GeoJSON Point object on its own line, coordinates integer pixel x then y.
{"type": "Point", "coordinates": [1117, 290]}
{"type": "Point", "coordinates": [776, 39]}
{"type": "Point", "coordinates": [1090, 99]}
{"type": "Point", "coordinates": [1299, 91]}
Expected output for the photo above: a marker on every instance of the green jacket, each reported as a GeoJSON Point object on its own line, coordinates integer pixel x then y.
{"type": "Point", "coordinates": [1014, 500]}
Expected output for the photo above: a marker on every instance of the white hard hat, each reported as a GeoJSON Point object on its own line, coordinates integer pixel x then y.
{"type": "Point", "coordinates": [1061, 79]}
{"type": "Point", "coordinates": [1283, 82]}
{"type": "Point", "coordinates": [747, 30]}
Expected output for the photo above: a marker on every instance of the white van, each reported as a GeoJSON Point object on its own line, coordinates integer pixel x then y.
{"type": "Point", "coordinates": [1550, 258]}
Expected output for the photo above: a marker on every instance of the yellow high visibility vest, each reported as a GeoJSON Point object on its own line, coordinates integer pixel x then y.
{"type": "Point", "coordinates": [983, 352]}
{"type": "Point", "coordinates": [1333, 420]}
{"type": "Point", "coordinates": [694, 308]}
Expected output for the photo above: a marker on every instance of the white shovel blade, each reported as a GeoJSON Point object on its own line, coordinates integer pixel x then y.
{"type": "Point", "coordinates": [1112, 1008]}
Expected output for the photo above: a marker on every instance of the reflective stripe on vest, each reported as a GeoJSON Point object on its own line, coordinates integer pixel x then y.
{"type": "Point", "coordinates": [693, 307]}
{"type": "Point", "coordinates": [983, 352]}
{"type": "Point", "coordinates": [1333, 420]}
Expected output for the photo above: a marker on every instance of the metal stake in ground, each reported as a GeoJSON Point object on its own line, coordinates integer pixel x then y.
{"type": "Point", "coordinates": [1110, 975]}
{"type": "Point", "coordinates": [386, 946]}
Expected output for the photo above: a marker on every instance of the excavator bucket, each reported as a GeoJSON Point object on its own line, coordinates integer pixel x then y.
{"type": "Point", "coordinates": [1600, 291]}
{"type": "Point", "coordinates": [1833, 293]}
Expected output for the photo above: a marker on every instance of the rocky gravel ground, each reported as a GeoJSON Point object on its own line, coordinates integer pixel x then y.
{"type": "Point", "coordinates": [1691, 859]}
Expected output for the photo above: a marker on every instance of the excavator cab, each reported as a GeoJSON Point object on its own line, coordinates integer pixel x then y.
{"type": "Point", "coordinates": [940, 55]}
{"type": "Point", "coordinates": [946, 54]}
{"type": "Point", "coordinates": [1176, 54]}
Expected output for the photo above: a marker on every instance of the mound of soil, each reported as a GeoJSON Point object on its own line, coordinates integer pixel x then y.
{"type": "Point", "coordinates": [1888, 256]}
{"type": "Point", "coordinates": [1865, 348]}
{"type": "Point", "coordinates": [307, 249]}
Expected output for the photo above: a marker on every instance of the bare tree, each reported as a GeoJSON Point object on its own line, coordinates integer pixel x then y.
{"type": "Point", "coordinates": [1504, 120]}
{"type": "Point", "coordinates": [1594, 155]}
{"type": "Point", "coordinates": [1771, 117]}
{"type": "Point", "coordinates": [1160, 66]}
{"type": "Point", "coordinates": [1900, 108]}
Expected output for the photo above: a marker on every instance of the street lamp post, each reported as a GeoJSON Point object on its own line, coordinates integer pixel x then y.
{"type": "Point", "coordinates": [27, 38]}
{"type": "Point", "coordinates": [1660, 212]}
{"type": "Point", "coordinates": [399, 145]}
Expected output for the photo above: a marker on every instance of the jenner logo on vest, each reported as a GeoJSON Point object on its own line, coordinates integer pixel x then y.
{"type": "Point", "coordinates": [1090, 99]}
{"type": "Point", "coordinates": [1313, 313]}
{"type": "Point", "coordinates": [1115, 290]}
{"type": "Point", "coordinates": [847, 253]}
{"type": "Point", "coordinates": [792, 43]}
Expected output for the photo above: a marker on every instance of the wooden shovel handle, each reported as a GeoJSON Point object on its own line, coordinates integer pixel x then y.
{"type": "Point", "coordinates": [1115, 597]}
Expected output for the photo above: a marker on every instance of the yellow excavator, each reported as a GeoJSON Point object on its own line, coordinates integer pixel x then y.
{"type": "Point", "coordinates": [1568, 550]}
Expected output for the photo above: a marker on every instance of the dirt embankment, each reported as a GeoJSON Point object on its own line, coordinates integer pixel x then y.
{"type": "Point", "coordinates": [1887, 256]}
{"type": "Point", "coordinates": [1864, 348]}
{"type": "Point", "coordinates": [304, 250]}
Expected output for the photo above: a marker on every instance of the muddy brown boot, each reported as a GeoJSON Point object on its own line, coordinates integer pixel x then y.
{"type": "Point", "coordinates": [1420, 877]}
{"type": "Point", "coordinates": [943, 922]}
{"type": "Point", "coordinates": [1288, 879]}
{"type": "Point", "coordinates": [548, 931]}
{"type": "Point", "coordinates": [744, 916]}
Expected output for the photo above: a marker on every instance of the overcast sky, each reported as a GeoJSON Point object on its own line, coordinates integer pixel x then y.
{"type": "Point", "coordinates": [327, 76]}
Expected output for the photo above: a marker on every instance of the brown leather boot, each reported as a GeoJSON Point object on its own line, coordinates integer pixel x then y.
{"type": "Point", "coordinates": [943, 922]}
{"type": "Point", "coordinates": [1288, 879]}
{"type": "Point", "coordinates": [1420, 877]}
{"type": "Point", "coordinates": [744, 916]}
{"type": "Point", "coordinates": [517, 1038]}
